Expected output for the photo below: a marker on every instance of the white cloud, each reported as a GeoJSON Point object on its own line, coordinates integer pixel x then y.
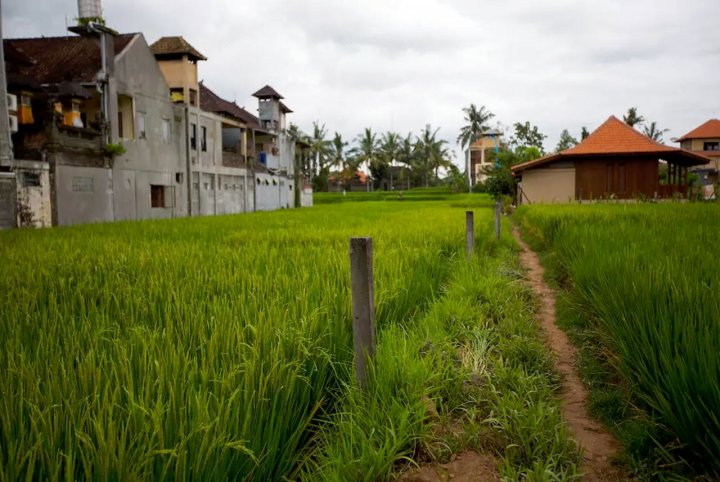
{"type": "Point", "coordinates": [403, 64]}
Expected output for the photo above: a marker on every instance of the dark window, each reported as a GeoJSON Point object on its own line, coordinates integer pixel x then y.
{"type": "Point", "coordinates": [203, 138]}
{"type": "Point", "coordinates": [157, 196]}
{"type": "Point", "coordinates": [193, 136]}
{"type": "Point", "coordinates": [711, 146]}
{"type": "Point", "coordinates": [193, 97]}
{"type": "Point", "coordinates": [31, 179]}
{"type": "Point", "coordinates": [120, 125]}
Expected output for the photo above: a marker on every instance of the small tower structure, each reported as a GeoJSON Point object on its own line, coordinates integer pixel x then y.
{"type": "Point", "coordinates": [178, 63]}
{"type": "Point", "coordinates": [271, 110]}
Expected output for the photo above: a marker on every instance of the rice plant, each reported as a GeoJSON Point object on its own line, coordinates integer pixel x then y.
{"type": "Point", "coordinates": [646, 277]}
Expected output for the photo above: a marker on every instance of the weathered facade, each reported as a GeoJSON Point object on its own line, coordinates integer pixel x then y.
{"type": "Point", "coordinates": [615, 161]}
{"type": "Point", "coordinates": [112, 129]}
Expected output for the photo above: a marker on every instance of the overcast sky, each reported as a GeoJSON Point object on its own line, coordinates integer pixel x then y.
{"type": "Point", "coordinates": [405, 63]}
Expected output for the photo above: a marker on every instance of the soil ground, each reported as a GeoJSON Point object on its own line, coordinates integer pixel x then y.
{"type": "Point", "coordinates": [599, 447]}
{"type": "Point", "coordinates": [469, 466]}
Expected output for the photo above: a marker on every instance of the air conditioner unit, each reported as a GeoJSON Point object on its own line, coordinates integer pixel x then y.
{"type": "Point", "coordinates": [12, 102]}
{"type": "Point", "coordinates": [13, 123]}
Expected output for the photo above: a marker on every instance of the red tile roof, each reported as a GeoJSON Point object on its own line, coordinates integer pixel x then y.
{"type": "Point", "coordinates": [211, 102]}
{"type": "Point", "coordinates": [51, 60]}
{"type": "Point", "coordinates": [614, 137]}
{"type": "Point", "coordinates": [710, 129]}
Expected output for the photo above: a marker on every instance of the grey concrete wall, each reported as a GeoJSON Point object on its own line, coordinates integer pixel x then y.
{"type": "Point", "coordinates": [8, 196]}
{"type": "Point", "coordinates": [151, 160]}
{"type": "Point", "coordinates": [84, 194]}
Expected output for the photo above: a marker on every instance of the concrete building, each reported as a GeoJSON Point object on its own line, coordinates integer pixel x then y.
{"type": "Point", "coordinates": [704, 140]}
{"type": "Point", "coordinates": [614, 161]}
{"type": "Point", "coordinates": [109, 128]}
{"type": "Point", "coordinates": [480, 154]}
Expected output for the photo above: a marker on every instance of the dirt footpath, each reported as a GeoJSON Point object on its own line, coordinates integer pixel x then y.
{"type": "Point", "coordinates": [599, 447]}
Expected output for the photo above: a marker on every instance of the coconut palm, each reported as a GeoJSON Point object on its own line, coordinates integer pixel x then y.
{"type": "Point", "coordinates": [654, 132]}
{"type": "Point", "coordinates": [477, 124]}
{"type": "Point", "coordinates": [632, 118]}
{"type": "Point", "coordinates": [337, 154]}
{"type": "Point", "coordinates": [366, 149]}
{"type": "Point", "coordinates": [429, 152]}
{"type": "Point", "coordinates": [320, 148]}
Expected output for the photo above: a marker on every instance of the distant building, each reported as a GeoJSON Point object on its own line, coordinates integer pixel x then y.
{"type": "Point", "coordinates": [614, 161]}
{"type": "Point", "coordinates": [480, 154]}
{"type": "Point", "coordinates": [705, 140]}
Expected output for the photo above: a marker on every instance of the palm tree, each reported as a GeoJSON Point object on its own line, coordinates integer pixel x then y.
{"type": "Point", "coordinates": [389, 149]}
{"type": "Point", "coordinates": [406, 153]}
{"type": "Point", "coordinates": [654, 132]}
{"type": "Point", "coordinates": [319, 147]}
{"type": "Point", "coordinates": [632, 118]}
{"type": "Point", "coordinates": [477, 120]}
{"type": "Point", "coordinates": [366, 150]}
{"type": "Point", "coordinates": [430, 151]}
{"type": "Point", "coordinates": [337, 154]}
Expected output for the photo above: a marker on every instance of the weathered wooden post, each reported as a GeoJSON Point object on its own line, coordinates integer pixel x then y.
{"type": "Point", "coordinates": [469, 234]}
{"type": "Point", "coordinates": [363, 305]}
{"type": "Point", "coordinates": [498, 210]}
{"type": "Point", "coordinates": [580, 196]}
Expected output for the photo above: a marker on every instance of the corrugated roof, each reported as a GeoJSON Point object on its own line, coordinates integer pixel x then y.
{"type": "Point", "coordinates": [52, 60]}
{"type": "Point", "coordinates": [175, 46]}
{"type": "Point", "coordinates": [211, 102]}
{"type": "Point", "coordinates": [267, 92]}
{"type": "Point", "coordinates": [614, 137]}
{"type": "Point", "coordinates": [707, 130]}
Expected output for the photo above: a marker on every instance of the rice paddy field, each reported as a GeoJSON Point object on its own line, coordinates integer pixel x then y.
{"type": "Point", "coordinates": [220, 348]}
{"type": "Point", "coordinates": [643, 300]}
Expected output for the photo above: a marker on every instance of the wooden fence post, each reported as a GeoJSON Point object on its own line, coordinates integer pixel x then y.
{"type": "Point", "coordinates": [363, 305]}
{"type": "Point", "coordinates": [498, 207]}
{"type": "Point", "coordinates": [469, 233]}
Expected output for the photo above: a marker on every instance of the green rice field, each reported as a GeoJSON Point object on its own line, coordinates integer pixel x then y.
{"type": "Point", "coordinates": [643, 299]}
{"type": "Point", "coordinates": [220, 348]}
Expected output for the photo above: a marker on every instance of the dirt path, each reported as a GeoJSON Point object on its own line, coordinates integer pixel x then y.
{"type": "Point", "coordinates": [468, 466]}
{"type": "Point", "coordinates": [599, 447]}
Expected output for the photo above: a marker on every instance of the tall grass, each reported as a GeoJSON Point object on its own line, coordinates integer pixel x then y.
{"type": "Point", "coordinates": [197, 348]}
{"type": "Point", "coordinates": [646, 276]}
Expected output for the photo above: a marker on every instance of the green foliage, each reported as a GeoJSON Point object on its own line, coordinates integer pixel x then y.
{"type": "Point", "coordinates": [115, 149]}
{"type": "Point", "coordinates": [632, 118]}
{"type": "Point", "coordinates": [566, 141]}
{"type": "Point", "coordinates": [584, 133]}
{"type": "Point", "coordinates": [638, 276]}
{"type": "Point", "coordinates": [527, 135]}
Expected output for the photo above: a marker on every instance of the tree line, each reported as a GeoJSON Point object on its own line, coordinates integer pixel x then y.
{"type": "Point", "coordinates": [390, 158]}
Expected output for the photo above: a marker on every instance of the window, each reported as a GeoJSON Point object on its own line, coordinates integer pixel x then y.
{"type": "Point", "coordinates": [31, 179]}
{"type": "Point", "coordinates": [193, 97]}
{"type": "Point", "coordinates": [166, 131]}
{"type": "Point", "coordinates": [120, 125]}
{"type": "Point", "coordinates": [157, 196]}
{"type": "Point", "coordinates": [177, 95]}
{"type": "Point", "coordinates": [193, 136]}
{"type": "Point", "coordinates": [25, 100]}
{"type": "Point", "coordinates": [141, 125]}
{"type": "Point", "coordinates": [162, 196]}
{"type": "Point", "coordinates": [711, 146]}
{"type": "Point", "coordinates": [203, 138]}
